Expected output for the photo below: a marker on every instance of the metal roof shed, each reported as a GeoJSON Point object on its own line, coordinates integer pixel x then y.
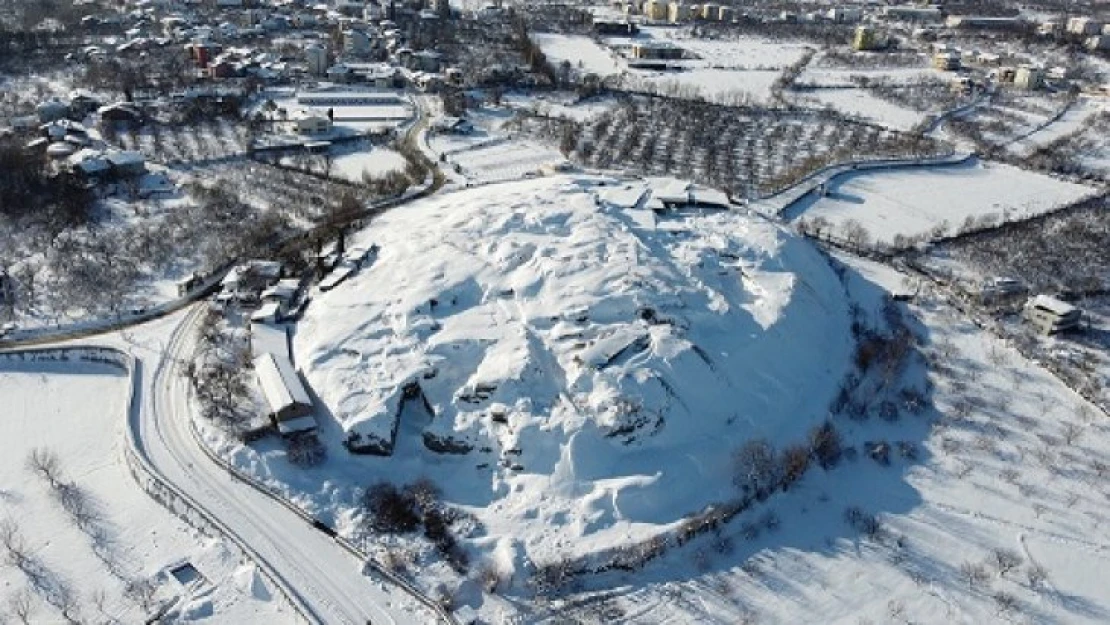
{"type": "Point", "coordinates": [286, 398]}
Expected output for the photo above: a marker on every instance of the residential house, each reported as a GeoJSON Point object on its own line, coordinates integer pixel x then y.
{"type": "Point", "coordinates": [308, 122]}
{"type": "Point", "coordinates": [1083, 26]}
{"type": "Point", "coordinates": [1029, 77]}
{"type": "Point", "coordinates": [357, 42]}
{"type": "Point", "coordinates": [316, 56]}
{"type": "Point", "coordinates": [655, 10]}
{"type": "Point", "coordinates": [656, 50]}
{"type": "Point", "coordinates": [1050, 315]}
{"type": "Point", "coordinates": [288, 404]}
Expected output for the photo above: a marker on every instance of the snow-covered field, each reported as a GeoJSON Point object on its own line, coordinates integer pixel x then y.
{"type": "Point", "coordinates": [78, 411]}
{"type": "Point", "coordinates": [373, 162]}
{"type": "Point", "coordinates": [505, 160]}
{"type": "Point", "coordinates": [1076, 119]}
{"type": "Point", "coordinates": [584, 54]}
{"type": "Point", "coordinates": [717, 70]}
{"type": "Point", "coordinates": [829, 77]}
{"type": "Point", "coordinates": [914, 202]}
{"type": "Point", "coordinates": [864, 105]}
{"type": "Point", "coordinates": [715, 85]}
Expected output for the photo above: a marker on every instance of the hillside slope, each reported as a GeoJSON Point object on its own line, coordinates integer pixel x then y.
{"type": "Point", "coordinates": [578, 371]}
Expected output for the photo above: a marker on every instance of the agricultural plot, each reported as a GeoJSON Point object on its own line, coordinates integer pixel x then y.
{"type": "Point", "coordinates": [746, 151]}
{"type": "Point", "coordinates": [301, 197]}
{"type": "Point", "coordinates": [862, 104]}
{"type": "Point", "coordinates": [1010, 118]}
{"type": "Point", "coordinates": [498, 161]}
{"type": "Point", "coordinates": [902, 206]}
{"type": "Point", "coordinates": [1069, 250]}
{"type": "Point", "coordinates": [212, 140]}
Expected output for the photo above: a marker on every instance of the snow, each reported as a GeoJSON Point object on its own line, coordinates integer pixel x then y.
{"type": "Point", "coordinates": [745, 67]}
{"type": "Point", "coordinates": [583, 53]}
{"type": "Point", "coordinates": [914, 201]}
{"type": "Point", "coordinates": [78, 410]}
{"type": "Point", "coordinates": [375, 162]}
{"type": "Point", "coordinates": [998, 478]}
{"type": "Point", "coordinates": [1075, 119]}
{"type": "Point", "coordinates": [495, 161]}
{"type": "Point", "coordinates": [862, 104]}
{"type": "Point", "coordinates": [607, 350]}
{"type": "Point", "coordinates": [716, 85]}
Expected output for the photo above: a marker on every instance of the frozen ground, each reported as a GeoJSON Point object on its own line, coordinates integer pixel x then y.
{"type": "Point", "coordinates": [78, 411]}
{"type": "Point", "coordinates": [914, 202]}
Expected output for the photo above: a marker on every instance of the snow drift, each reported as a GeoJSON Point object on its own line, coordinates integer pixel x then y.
{"type": "Point", "coordinates": [596, 356]}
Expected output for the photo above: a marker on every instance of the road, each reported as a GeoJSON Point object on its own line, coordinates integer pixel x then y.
{"type": "Point", "coordinates": [325, 576]}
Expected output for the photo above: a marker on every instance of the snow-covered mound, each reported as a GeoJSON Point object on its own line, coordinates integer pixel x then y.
{"type": "Point", "coordinates": [590, 353]}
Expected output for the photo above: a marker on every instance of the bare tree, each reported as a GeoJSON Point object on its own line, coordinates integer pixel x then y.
{"type": "Point", "coordinates": [755, 468]}
{"type": "Point", "coordinates": [22, 606]}
{"type": "Point", "coordinates": [141, 592]}
{"type": "Point", "coordinates": [974, 573]}
{"type": "Point", "coordinates": [1005, 560]}
{"type": "Point", "coordinates": [45, 463]}
{"type": "Point", "coordinates": [13, 542]}
{"type": "Point", "coordinates": [1071, 433]}
{"type": "Point", "coordinates": [1036, 576]}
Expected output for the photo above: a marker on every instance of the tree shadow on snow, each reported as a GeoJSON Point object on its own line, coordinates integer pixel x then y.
{"type": "Point", "coordinates": [831, 511]}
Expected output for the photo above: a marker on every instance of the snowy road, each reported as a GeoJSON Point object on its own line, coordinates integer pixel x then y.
{"type": "Point", "coordinates": [326, 577]}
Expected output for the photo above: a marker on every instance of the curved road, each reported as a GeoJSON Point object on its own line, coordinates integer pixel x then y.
{"type": "Point", "coordinates": [326, 578]}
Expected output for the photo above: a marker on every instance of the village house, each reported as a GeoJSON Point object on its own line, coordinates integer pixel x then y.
{"type": "Point", "coordinates": [287, 402]}
{"type": "Point", "coordinates": [656, 50]}
{"type": "Point", "coordinates": [1050, 315]}
{"type": "Point", "coordinates": [308, 122]}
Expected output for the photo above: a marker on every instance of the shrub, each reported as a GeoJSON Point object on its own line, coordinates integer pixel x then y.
{"type": "Point", "coordinates": [862, 521]}
{"type": "Point", "coordinates": [756, 468]}
{"type": "Point", "coordinates": [305, 451]}
{"type": "Point", "coordinates": [826, 444]}
{"type": "Point", "coordinates": [389, 509]}
{"type": "Point", "coordinates": [795, 462]}
{"type": "Point", "coordinates": [1005, 560]}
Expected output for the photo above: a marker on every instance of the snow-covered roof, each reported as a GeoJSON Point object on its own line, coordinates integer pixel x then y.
{"type": "Point", "coordinates": [123, 158]}
{"type": "Point", "coordinates": [1051, 304]}
{"type": "Point", "coordinates": [283, 290]}
{"type": "Point", "coordinates": [266, 312]}
{"type": "Point", "coordinates": [297, 424]}
{"type": "Point", "coordinates": [281, 386]}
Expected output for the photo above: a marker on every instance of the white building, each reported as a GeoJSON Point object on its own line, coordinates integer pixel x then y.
{"type": "Point", "coordinates": [288, 404]}
{"type": "Point", "coordinates": [1083, 26]}
{"type": "Point", "coordinates": [1029, 77]}
{"type": "Point", "coordinates": [357, 42]}
{"type": "Point", "coordinates": [316, 56]}
{"type": "Point", "coordinates": [1050, 315]}
{"type": "Point", "coordinates": [304, 122]}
